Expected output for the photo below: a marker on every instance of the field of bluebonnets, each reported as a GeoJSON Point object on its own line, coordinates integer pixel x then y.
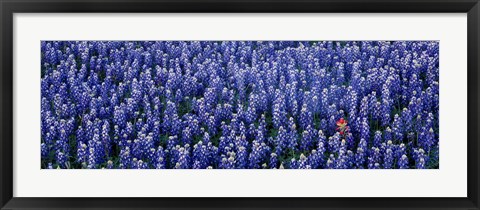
{"type": "Point", "coordinates": [242, 105]}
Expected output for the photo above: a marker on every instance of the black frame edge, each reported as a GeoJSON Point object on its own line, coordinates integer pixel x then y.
{"type": "Point", "coordinates": [473, 105]}
{"type": "Point", "coordinates": [9, 7]}
{"type": "Point", "coordinates": [240, 203]}
{"type": "Point", "coordinates": [241, 6]}
{"type": "Point", "coordinates": [6, 114]}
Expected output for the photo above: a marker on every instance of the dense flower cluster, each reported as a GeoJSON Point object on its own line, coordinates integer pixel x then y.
{"type": "Point", "coordinates": [240, 104]}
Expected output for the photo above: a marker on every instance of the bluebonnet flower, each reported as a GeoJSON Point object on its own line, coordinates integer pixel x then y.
{"type": "Point", "coordinates": [426, 138]}
{"type": "Point", "coordinates": [303, 162]}
{"type": "Point", "coordinates": [294, 164]}
{"type": "Point", "coordinates": [125, 157]}
{"type": "Point", "coordinates": [242, 157]}
{"type": "Point", "coordinates": [334, 143]}
{"type": "Point", "coordinates": [273, 160]}
{"type": "Point", "coordinates": [308, 137]}
{"type": "Point", "coordinates": [389, 155]}
{"type": "Point", "coordinates": [360, 155]}
{"type": "Point", "coordinates": [200, 158]}
{"type": "Point", "coordinates": [82, 153]}
{"type": "Point", "coordinates": [92, 160]}
{"type": "Point", "coordinates": [292, 135]}
{"type": "Point", "coordinates": [281, 140]}
{"type": "Point", "coordinates": [343, 159]}
{"type": "Point", "coordinates": [171, 121]}
{"type": "Point", "coordinates": [365, 130]}
{"type": "Point", "coordinates": [306, 117]}
{"type": "Point", "coordinates": [407, 119]}
{"type": "Point", "coordinates": [377, 139]}
{"type": "Point", "coordinates": [228, 162]}
{"type": "Point", "coordinates": [44, 150]}
{"type": "Point", "coordinates": [172, 142]}
{"type": "Point", "coordinates": [374, 158]}
{"type": "Point", "coordinates": [239, 104]}
{"type": "Point", "coordinates": [160, 160]}
{"type": "Point", "coordinates": [315, 159]}
{"type": "Point", "coordinates": [363, 114]}
{"type": "Point", "coordinates": [182, 157]}
{"type": "Point", "coordinates": [61, 159]}
{"type": "Point", "coordinates": [279, 116]}
{"type": "Point", "coordinates": [258, 155]}
{"type": "Point", "coordinates": [420, 158]}
{"type": "Point", "coordinates": [397, 128]}
{"type": "Point", "coordinates": [331, 162]}
{"type": "Point", "coordinates": [403, 162]}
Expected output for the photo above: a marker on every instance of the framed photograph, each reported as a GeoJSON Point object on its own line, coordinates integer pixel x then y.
{"type": "Point", "coordinates": [118, 104]}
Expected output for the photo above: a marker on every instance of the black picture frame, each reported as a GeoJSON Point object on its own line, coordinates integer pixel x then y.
{"type": "Point", "coordinates": [9, 7]}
